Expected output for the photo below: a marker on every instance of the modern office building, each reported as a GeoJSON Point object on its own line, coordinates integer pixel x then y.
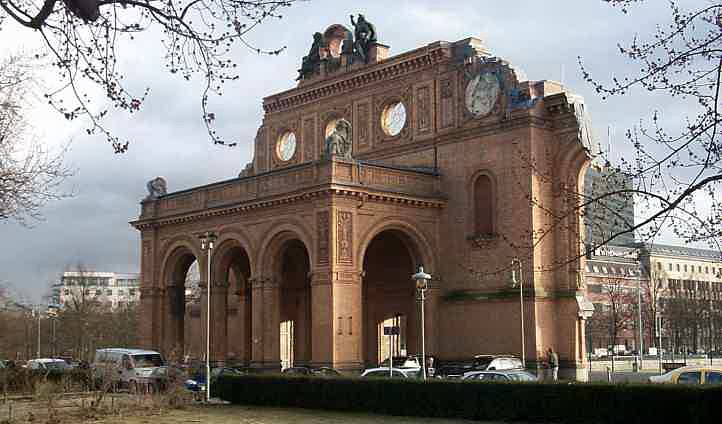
{"type": "Point", "coordinates": [608, 214]}
{"type": "Point", "coordinates": [108, 288]}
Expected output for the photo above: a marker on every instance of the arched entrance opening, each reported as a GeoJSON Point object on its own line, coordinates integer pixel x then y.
{"type": "Point", "coordinates": [234, 269]}
{"type": "Point", "coordinates": [295, 304]}
{"type": "Point", "coordinates": [389, 298]}
{"type": "Point", "coordinates": [182, 306]}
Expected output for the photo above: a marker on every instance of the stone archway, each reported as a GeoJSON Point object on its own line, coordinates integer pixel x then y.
{"type": "Point", "coordinates": [175, 311]}
{"type": "Point", "coordinates": [293, 276]}
{"type": "Point", "coordinates": [231, 301]}
{"type": "Point", "coordinates": [388, 294]}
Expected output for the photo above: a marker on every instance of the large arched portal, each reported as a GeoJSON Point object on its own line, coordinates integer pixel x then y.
{"type": "Point", "coordinates": [389, 297]}
{"type": "Point", "coordinates": [233, 320]}
{"type": "Point", "coordinates": [180, 303]}
{"type": "Point", "coordinates": [295, 304]}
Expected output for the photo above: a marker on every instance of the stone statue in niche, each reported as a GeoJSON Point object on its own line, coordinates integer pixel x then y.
{"type": "Point", "coordinates": [156, 187]}
{"type": "Point", "coordinates": [339, 143]}
{"type": "Point", "coordinates": [309, 62]}
{"type": "Point", "coordinates": [364, 36]}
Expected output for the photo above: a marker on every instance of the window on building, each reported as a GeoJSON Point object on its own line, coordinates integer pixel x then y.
{"type": "Point", "coordinates": [677, 267]}
{"type": "Point", "coordinates": [706, 270]}
{"type": "Point", "coordinates": [659, 266]}
{"type": "Point", "coordinates": [670, 267]}
{"type": "Point", "coordinates": [685, 268]}
{"type": "Point", "coordinates": [131, 292]}
{"type": "Point", "coordinates": [109, 292]}
{"type": "Point", "coordinates": [483, 206]}
{"type": "Point", "coordinates": [66, 292]}
{"type": "Point", "coordinates": [98, 292]}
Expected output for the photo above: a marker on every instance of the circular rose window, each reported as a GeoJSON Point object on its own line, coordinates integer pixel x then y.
{"type": "Point", "coordinates": [393, 118]}
{"type": "Point", "coordinates": [286, 146]}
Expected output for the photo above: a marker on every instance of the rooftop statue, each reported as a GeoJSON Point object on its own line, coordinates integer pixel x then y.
{"type": "Point", "coordinates": [339, 142]}
{"type": "Point", "coordinates": [156, 188]}
{"type": "Point", "coordinates": [309, 62]}
{"type": "Point", "coordinates": [364, 36]}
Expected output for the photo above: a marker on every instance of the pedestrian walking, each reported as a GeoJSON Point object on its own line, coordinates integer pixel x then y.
{"type": "Point", "coordinates": [553, 361]}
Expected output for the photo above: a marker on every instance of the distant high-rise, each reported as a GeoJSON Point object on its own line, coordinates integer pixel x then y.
{"type": "Point", "coordinates": [612, 213]}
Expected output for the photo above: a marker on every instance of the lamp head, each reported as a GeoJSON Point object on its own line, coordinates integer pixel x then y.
{"type": "Point", "coordinates": [421, 278]}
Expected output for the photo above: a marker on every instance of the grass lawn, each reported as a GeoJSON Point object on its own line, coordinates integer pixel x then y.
{"type": "Point", "coordinates": [231, 414]}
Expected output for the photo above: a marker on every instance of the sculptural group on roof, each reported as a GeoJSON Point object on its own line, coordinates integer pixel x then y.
{"type": "Point", "coordinates": [339, 40]}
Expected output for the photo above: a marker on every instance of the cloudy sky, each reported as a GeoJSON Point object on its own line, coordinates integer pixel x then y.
{"type": "Point", "coordinates": [169, 139]}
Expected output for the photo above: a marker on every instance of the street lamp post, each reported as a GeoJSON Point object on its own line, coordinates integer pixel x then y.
{"type": "Point", "coordinates": [37, 311]}
{"type": "Point", "coordinates": [207, 240]}
{"type": "Point", "coordinates": [639, 316]}
{"type": "Point", "coordinates": [422, 284]}
{"type": "Point", "coordinates": [515, 262]}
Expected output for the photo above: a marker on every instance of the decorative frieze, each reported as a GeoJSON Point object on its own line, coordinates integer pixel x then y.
{"type": "Point", "coordinates": [344, 235]}
{"type": "Point", "coordinates": [423, 110]}
{"type": "Point", "coordinates": [322, 224]}
{"type": "Point", "coordinates": [446, 103]}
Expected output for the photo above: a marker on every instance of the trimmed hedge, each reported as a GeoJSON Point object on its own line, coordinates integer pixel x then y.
{"type": "Point", "coordinates": [536, 402]}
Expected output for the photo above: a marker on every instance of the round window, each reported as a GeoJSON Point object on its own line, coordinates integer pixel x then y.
{"type": "Point", "coordinates": [393, 118]}
{"type": "Point", "coordinates": [286, 146]}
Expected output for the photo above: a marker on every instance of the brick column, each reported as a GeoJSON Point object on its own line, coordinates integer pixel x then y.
{"type": "Point", "coordinates": [257, 322]}
{"type": "Point", "coordinates": [321, 319]}
{"type": "Point", "coordinates": [347, 316]}
{"type": "Point", "coordinates": [219, 321]}
{"type": "Point", "coordinates": [272, 322]}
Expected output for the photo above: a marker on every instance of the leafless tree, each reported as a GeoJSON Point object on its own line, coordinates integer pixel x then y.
{"type": "Point", "coordinates": [617, 311]}
{"type": "Point", "coordinates": [30, 175]}
{"type": "Point", "coordinates": [676, 166]}
{"type": "Point", "coordinates": [86, 38]}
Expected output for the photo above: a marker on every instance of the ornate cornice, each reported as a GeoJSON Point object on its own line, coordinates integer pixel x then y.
{"type": "Point", "coordinates": [335, 190]}
{"type": "Point", "coordinates": [397, 66]}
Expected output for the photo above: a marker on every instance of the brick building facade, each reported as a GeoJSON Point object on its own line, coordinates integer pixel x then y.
{"type": "Point", "coordinates": [455, 164]}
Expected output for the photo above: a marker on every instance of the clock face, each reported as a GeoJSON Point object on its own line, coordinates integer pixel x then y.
{"type": "Point", "coordinates": [481, 94]}
{"type": "Point", "coordinates": [286, 146]}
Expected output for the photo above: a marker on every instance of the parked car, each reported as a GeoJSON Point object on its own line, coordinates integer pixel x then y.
{"type": "Point", "coordinates": [452, 370]}
{"type": "Point", "coordinates": [383, 372]}
{"type": "Point", "coordinates": [318, 372]}
{"type": "Point", "coordinates": [502, 375]}
{"type": "Point", "coordinates": [403, 362]}
{"type": "Point", "coordinates": [198, 382]}
{"type": "Point", "coordinates": [47, 364]}
{"type": "Point", "coordinates": [691, 374]}
{"type": "Point", "coordinates": [496, 362]}
{"type": "Point", "coordinates": [135, 369]}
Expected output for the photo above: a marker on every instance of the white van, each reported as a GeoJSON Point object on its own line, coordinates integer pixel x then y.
{"type": "Point", "coordinates": [135, 369]}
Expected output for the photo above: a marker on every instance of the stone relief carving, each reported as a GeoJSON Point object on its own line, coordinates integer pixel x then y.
{"type": "Point", "coordinates": [423, 118]}
{"type": "Point", "coordinates": [323, 236]}
{"type": "Point", "coordinates": [344, 235]}
{"type": "Point", "coordinates": [339, 142]}
{"type": "Point", "coordinates": [157, 187]}
{"type": "Point", "coordinates": [309, 131]}
{"type": "Point", "coordinates": [363, 124]}
{"type": "Point", "coordinates": [447, 103]}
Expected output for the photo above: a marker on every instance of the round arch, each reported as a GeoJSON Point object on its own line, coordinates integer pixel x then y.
{"type": "Point", "coordinates": [285, 230]}
{"type": "Point", "coordinates": [177, 248]}
{"type": "Point", "coordinates": [418, 244]}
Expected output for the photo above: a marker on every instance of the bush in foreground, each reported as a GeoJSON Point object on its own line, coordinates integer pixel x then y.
{"type": "Point", "coordinates": [537, 402]}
